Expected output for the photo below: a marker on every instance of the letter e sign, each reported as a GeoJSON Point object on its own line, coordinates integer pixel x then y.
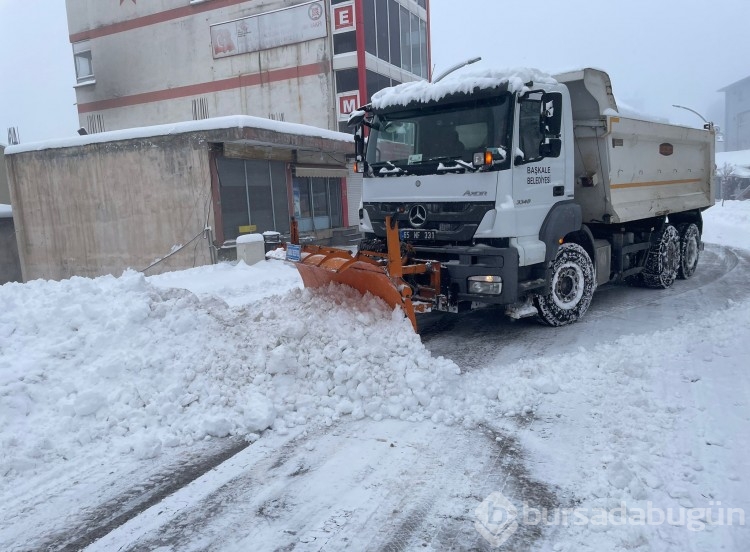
{"type": "Point", "coordinates": [343, 18]}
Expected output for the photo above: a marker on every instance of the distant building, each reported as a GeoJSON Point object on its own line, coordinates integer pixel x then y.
{"type": "Point", "coordinates": [737, 118]}
{"type": "Point", "coordinates": [311, 62]}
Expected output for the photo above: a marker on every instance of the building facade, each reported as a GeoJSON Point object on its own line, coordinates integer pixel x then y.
{"type": "Point", "coordinates": [737, 115]}
{"type": "Point", "coordinates": [144, 63]}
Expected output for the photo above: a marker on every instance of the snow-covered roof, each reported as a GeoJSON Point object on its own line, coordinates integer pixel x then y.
{"type": "Point", "coordinates": [459, 82]}
{"type": "Point", "coordinates": [217, 123]}
{"type": "Point", "coordinates": [739, 161]}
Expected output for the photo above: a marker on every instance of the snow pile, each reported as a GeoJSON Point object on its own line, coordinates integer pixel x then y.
{"type": "Point", "coordinates": [459, 82]}
{"type": "Point", "coordinates": [119, 364]}
{"type": "Point", "coordinates": [724, 223]}
{"type": "Point", "coordinates": [235, 283]}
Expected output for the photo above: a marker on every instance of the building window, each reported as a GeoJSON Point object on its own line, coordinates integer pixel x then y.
{"type": "Point", "coordinates": [82, 57]}
{"type": "Point", "coordinates": [416, 49]}
{"type": "Point", "coordinates": [317, 203]}
{"type": "Point", "coordinates": [381, 31]}
{"type": "Point", "coordinates": [376, 82]}
{"type": "Point", "coordinates": [253, 196]}
{"type": "Point", "coordinates": [395, 32]}
{"type": "Point", "coordinates": [347, 80]}
{"type": "Point", "coordinates": [371, 42]}
{"type": "Point", "coordinates": [405, 40]}
{"type": "Point", "coordinates": [423, 45]}
{"type": "Point", "coordinates": [345, 42]}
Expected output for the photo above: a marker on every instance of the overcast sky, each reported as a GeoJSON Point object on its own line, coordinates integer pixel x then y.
{"type": "Point", "coordinates": [657, 52]}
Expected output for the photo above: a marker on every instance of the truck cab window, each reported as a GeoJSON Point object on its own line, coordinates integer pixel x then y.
{"type": "Point", "coordinates": [419, 140]}
{"type": "Point", "coordinates": [529, 130]}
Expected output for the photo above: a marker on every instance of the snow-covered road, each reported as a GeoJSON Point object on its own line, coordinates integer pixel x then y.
{"type": "Point", "coordinates": [139, 416]}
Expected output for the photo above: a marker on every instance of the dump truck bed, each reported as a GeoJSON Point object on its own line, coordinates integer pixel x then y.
{"type": "Point", "coordinates": [628, 168]}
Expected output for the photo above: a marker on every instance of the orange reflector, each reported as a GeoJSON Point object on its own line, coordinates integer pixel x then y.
{"type": "Point", "coordinates": [488, 158]}
{"type": "Point", "coordinates": [560, 241]}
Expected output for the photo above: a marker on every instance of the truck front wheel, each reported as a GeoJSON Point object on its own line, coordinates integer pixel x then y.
{"type": "Point", "coordinates": [663, 259]}
{"type": "Point", "coordinates": [571, 288]}
{"type": "Point", "coordinates": [690, 241]}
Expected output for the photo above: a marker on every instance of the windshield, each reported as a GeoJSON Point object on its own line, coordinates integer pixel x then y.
{"type": "Point", "coordinates": [418, 141]}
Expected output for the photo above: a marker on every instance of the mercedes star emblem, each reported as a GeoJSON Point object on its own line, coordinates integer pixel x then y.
{"type": "Point", "coordinates": [417, 215]}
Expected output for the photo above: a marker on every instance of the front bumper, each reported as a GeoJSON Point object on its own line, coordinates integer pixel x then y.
{"type": "Point", "coordinates": [461, 262]}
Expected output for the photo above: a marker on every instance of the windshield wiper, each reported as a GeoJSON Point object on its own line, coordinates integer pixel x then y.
{"type": "Point", "coordinates": [459, 164]}
{"type": "Point", "coordinates": [391, 169]}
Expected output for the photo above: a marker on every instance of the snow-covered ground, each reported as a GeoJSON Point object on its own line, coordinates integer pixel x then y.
{"type": "Point", "coordinates": [109, 385]}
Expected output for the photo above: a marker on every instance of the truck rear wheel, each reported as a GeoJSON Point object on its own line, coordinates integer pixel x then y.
{"type": "Point", "coordinates": [690, 239]}
{"type": "Point", "coordinates": [663, 259]}
{"type": "Point", "coordinates": [572, 287]}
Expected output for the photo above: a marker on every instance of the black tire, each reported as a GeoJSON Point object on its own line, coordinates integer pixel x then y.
{"type": "Point", "coordinates": [572, 287]}
{"type": "Point", "coordinates": [663, 260]}
{"type": "Point", "coordinates": [690, 241]}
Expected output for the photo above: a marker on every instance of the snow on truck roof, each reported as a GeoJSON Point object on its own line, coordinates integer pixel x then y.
{"type": "Point", "coordinates": [460, 82]}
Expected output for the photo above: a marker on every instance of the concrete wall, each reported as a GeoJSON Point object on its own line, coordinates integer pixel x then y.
{"type": "Point", "coordinates": [10, 265]}
{"type": "Point", "coordinates": [103, 207]}
{"type": "Point", "coordinates": [170, 63]}
{"type": "Point", "coordinates": [4, 191]}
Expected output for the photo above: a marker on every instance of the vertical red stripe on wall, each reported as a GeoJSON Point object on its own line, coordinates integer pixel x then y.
{"type": "Point", "coordinates": [361, 59]}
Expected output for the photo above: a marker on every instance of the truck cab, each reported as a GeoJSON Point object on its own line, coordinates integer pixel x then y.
{"type": "Point", "coordinates": [472, 178]}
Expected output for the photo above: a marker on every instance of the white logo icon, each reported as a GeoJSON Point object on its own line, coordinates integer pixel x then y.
{"type": "Point", "coordinates": [496, 519]}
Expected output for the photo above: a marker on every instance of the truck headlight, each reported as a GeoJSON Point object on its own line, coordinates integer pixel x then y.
{"type": "Point", "coordinates": [488, 285]}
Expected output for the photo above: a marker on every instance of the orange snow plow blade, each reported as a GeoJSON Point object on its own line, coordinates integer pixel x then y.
{"type": "Point", "coordinates": [380, 274]}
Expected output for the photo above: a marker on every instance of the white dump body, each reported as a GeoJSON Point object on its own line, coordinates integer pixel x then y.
{"type": "Point", "coordinates": [627, 168]}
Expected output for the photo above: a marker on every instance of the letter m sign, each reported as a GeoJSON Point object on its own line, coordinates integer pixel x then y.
{"type": "Point", "coordinates": [347, 102]}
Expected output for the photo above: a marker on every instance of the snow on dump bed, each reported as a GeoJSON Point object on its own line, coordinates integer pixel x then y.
{"type": "Point", "coordinates": [121, 365]}
{"type": "Point", "coordinates": [459, 82]}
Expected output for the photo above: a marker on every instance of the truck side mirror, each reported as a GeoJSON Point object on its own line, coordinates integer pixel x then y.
{"type": "Point", "coordinates": [552, 113]}
{"type": "Point", "coordinates": [355, 118]}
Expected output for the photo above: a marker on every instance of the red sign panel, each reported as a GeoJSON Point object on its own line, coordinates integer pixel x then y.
{"type": "Point", "coordinates": [348, 102]}
{"type": "Point", "coordinates": [343, 18]}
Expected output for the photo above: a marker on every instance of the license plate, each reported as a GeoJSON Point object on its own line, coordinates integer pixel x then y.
{"type": "Point", "coordinates": [418, 234]}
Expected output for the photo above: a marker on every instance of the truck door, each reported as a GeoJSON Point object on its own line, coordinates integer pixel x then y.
{"type": "Point", "coordinates": [538, 169]}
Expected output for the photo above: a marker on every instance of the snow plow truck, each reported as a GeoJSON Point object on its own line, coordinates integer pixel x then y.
{"type": "Point", "coordinates": [518, 189]}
